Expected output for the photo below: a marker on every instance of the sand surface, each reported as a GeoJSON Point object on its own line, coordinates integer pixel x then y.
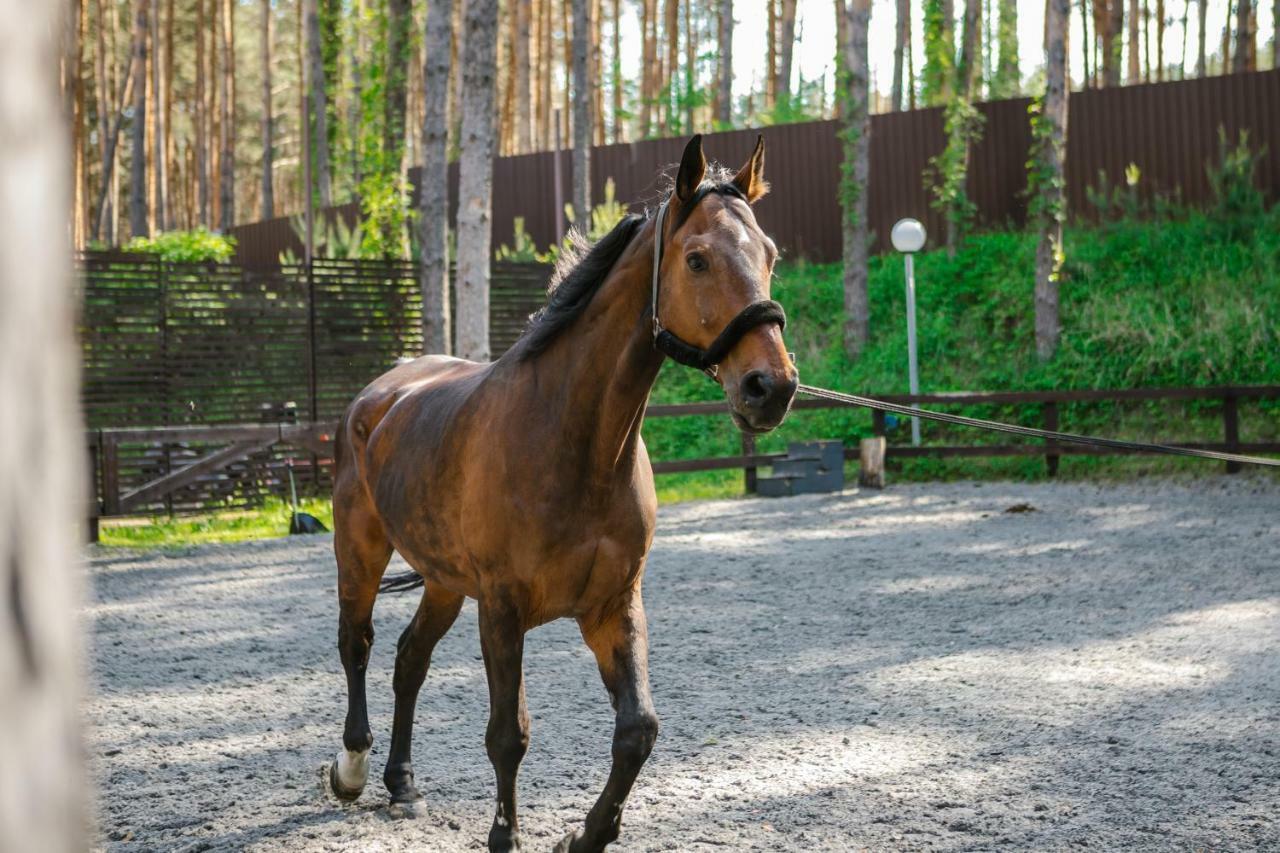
{"type": "Point", "coordinates": [917, 668]}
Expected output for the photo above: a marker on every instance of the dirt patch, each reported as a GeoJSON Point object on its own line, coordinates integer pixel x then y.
{"type": "Point", "coordinates": [908, 669]}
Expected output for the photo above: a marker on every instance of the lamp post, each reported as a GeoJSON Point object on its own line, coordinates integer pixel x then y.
{"type": "Point", "coordinates": [908, 237]}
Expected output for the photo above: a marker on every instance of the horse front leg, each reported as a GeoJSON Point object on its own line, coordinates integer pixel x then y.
{"type": "Point", "coordinates": [507, 736]}
{"type": "Point", "coordinates": [620, 643]}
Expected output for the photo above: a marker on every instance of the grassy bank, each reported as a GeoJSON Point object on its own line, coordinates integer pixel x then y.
{"type": "Point", "coordinates": [1182, 301]}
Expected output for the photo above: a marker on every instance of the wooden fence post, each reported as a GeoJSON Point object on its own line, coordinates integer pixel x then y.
{"type": "Point", "coordinates": [110, 476]}
{"type": "Point", "coordinates": [749, 471]}
{"type": "Point", "coordinates": [1051, 423]}
{"type": "Point", "coordinates": [871, 462]}
{"type": "Point", "coordinates": [1231, 428]}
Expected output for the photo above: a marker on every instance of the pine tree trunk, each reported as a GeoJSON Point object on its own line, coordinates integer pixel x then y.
{"type": "Point", "coordinates": [227, 187]}
{"type": "Point", "coordinates": [523, 16]}
{"type": "Point", "coordinates": [544, 77]}
{"type": "Point", "coordinates": [434, 219]}
{"type": "Point", "coordinates": [172, 177]}
{"type": "Point", "coordinates": [41, 472]}
{"type": "Point", "coordinates": [670, 64]}
{"type": "Point", "coordinates": [399, 20]}
{"type": "Point", "coordinates": [1135, 69]}
{"type": "Point", "coordinates": [853, 191]}
{"type": "Point", "coordinates": [1085, 44]}
{"type": "Point", "coordinates": [1113, 50]}
{"type": "Point", "coordinates": [582, 103]}
{"type": "Point", "coordinates": [159, 166]}
{"type": "Point", "coordinates": [268, 192]}
{"type": "Point", "coordinates": [647, 73]}
{"type": "Point", "coordinates": [1049, 250]}
{"type": "Point", "coordinates": [771, 55]}
{"type": "Point", "coordinates": [842, 38]}
{"type": "Point", "coordinates": [615, 71]}
{"type": "Point", "coordinates": [79, 19]}
{"type": "Point", "coordinates": [596, 72]}
{"type": "Point", "coordinates": [1202, 11]}
{"type": "Point", "coordinates": [138, 224]}
{"type": "Point", "coordinates": [1160, 40]}
{"type": "Point", "coordinates": [786, 50]}
{"type": "Point", "coordinates": [319, 106]}
{"type": "Point", "coordinates": [215, 111]}
{"type": "Point", "coordinates": [690, 68]}
{"type": "Point", "coordinates": [1243, 60]}
{"type": "Point", "coordinates": [104, 99]}
{"type": "Point", "coordinates": [724, 40]}
{"type": "Point", "coordinates": [475, 191]}
{"type": "Point", "coordinates": [1008, 75]}
{"type": "Point", "coordinates": [900, 47]}
{"type": "Point", "coordinates": [201, 118]}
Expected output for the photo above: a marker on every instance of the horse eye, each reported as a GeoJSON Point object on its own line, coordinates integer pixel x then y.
{"type": "Point", "coordinates": [696, 262]}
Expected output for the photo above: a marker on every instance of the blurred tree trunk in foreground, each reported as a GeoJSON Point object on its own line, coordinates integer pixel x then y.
{"type": "Point", "coordinates": [42, 784]}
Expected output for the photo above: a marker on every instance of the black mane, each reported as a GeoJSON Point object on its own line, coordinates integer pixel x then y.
{"type": "Point", "coordinates": [582, 267]}
{"type": "Point", "coordinates": [581, 270]}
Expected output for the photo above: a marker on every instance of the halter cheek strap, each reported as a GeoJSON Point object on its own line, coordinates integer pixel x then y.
{"type": "Point", "coordinates": [683, 352]}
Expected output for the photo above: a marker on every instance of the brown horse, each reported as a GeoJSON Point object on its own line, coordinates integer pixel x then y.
{"type": "Point", "coordinates": [525, 485]}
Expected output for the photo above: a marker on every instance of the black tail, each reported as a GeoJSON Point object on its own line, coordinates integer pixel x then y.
{"type": "Point", "coordinates": [402, 582]}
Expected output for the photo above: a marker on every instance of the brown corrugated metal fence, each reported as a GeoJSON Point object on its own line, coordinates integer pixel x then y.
{"type": "Point", "coordinates": [1169, 130]}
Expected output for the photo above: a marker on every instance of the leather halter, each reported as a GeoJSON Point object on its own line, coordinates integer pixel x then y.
{"type": "Point", "coordinates": [706, 360]}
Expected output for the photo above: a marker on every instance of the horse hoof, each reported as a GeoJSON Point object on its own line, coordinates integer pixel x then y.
{"type": "Point", "coordinates": [339, 790]}
{"type": "Point", "coordinates": [566, 843]}
{"type": "Point", "coordinates": [406, 809]}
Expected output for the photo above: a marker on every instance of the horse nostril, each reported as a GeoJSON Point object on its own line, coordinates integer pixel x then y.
{"type": "Point", "coordinates": [756, 387]}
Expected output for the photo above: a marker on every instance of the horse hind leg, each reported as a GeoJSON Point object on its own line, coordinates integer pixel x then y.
{"type": "Point", "coordinates": [435, 616]}
{"type": "Point", "coordinates": [363, 551]}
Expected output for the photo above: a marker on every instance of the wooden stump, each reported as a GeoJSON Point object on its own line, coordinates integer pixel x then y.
{"type": "Point", "coordinates": [871, 462]}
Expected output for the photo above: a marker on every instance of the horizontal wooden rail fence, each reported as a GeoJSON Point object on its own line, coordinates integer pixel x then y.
{"type": "Point", "coordinates": [233, 444]}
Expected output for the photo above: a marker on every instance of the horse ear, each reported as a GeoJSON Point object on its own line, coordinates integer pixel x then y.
{"type": "Point", "coordinates": [750, 178]}
{"type": "Point", "coordinates": [693, 168]}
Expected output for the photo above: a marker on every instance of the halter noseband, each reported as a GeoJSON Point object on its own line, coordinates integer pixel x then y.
{"type": "Point", "coordinates": [706, 360]}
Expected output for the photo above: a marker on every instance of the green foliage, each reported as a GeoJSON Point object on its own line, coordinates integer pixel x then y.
{"type": "Point", "coordinates": [806, 103]}
{"type": "Point", "coordinates": [270, 521]}
{"type": "Point", "coordinates": [1236, 196]}
{"type": "Point", "coordinates": [524, 251]}
{"type": "Point", "coordinates": [1046, 188]}
{"type": "Point", "coordinates": [384, 202]}
{"type": "Point", "coordinates": [1144, 304]}
{"type": "Point", "coordinates": [1116, 202]}
{"type": "Point", "coordinates": [948, 172]}
{"type": "Point", "coordinates": [939, 54]}
{"type": "Point", "coordinates": [185, 247]}
{"type": "Point", "coordinates": [333, 239]}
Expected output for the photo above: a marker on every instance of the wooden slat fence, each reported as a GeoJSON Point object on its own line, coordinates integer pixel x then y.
{"type": "Point", "coordinates": [199, 473]}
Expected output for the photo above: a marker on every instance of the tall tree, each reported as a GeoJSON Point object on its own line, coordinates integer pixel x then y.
{"type": "Point", "coordinates": [524, 13]}
{"type": "Point", "coordinates": [786, 49]}
{"type": "Point", "coordinates": [159, 180]}
{"type": "Point", "coordinates": [901, 44]}
{"type": "Point", "coordinates": [854, 173]}
{"type": "Point", "coordinates": [268, 149]}
{"type": "Point", "coordinates": [201, 118]}
{"type": "Point", "coordinates": [1135, 68]}
{"type": "Point", "coordinates": [771, 54]}
{"type": "Point", "coordinates": [399, 19]}
{"type": "Point", "coordinates": [1246, 46]}
{"type": "Point", "coordinates": [1008, 79]}
{"type": "Point", "coordinates": [138, 219]}
{"type": "Point", "coordinates": [649, 61]}
{"type": "Point", "coordinates": [1202, 11]}
{"type": "Point", "coordinates": [319, 105]}
{"type": "Point", "coordinates": [1160, 40]}
{"type": "Point", "coordinates": [1048, 200]}
{"type": "Point", "coordinates": [939, 51]}
{"type": "Point", "coordinates": [582, 105]}
{"type": "Point", "coordinates": [104, 105]}
{"type": "Point", "coordinates": [41, 476]}
{"type": "Point", "coordinates": [434, 182]}
{"type": "Point", "coordinates": [724, 72]}
{"type": "Point", "coordinates": [670, 64]}
{"type": "Point", "coordinates": [950, 169]}
{"type": "Point", "coordinates": [74, 92]}
{"type": "Point", "coordinates": [1113, 43]}
{"type": "Point", "coordinates": [227, 186]}
{"type": "Point", "coordinates": [475, 187]}
{"type": "Point", "coordinates": [615, 72]}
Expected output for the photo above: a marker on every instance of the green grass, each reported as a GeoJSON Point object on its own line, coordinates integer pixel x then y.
{"type": "Point", "coordinates": [266, 522]}
{"type": "Point", "coordinates": [1183, 301]}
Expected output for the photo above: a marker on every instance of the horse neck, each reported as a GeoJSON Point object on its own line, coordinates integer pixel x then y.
{"type": "Point", "coordinates": [601, 370]}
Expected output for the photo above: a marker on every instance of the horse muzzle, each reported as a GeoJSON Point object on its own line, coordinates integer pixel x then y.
{"type": "Point", "coordinates": [762, 399]}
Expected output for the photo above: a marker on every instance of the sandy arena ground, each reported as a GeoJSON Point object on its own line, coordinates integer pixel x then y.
{"type": "Point", "coordinates": [919, 668]}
